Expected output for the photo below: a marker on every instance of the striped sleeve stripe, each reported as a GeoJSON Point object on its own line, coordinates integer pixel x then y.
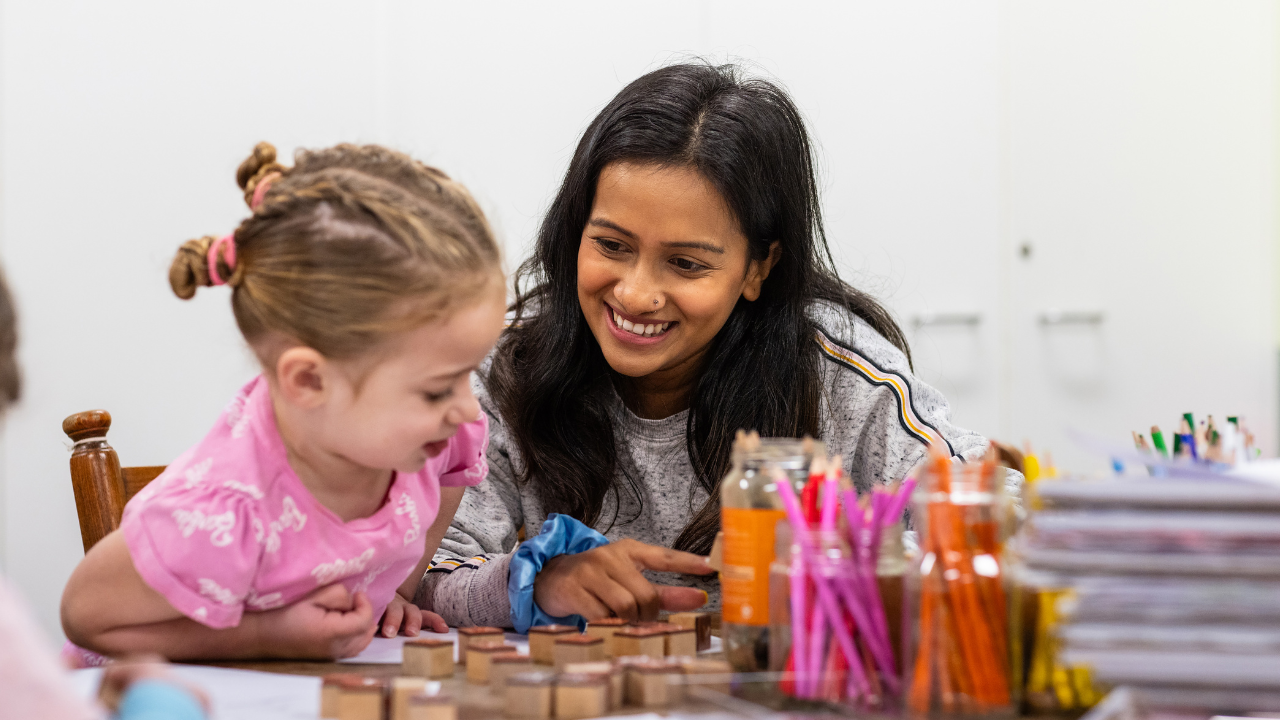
{"type": "Point", "coordinates": [451, 564]}
{"type": "Point", "coordinates": [907, 415]}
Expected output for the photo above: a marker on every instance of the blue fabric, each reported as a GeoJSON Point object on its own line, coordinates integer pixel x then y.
{"type": "Point", "coordinates": [159, 700]}
{"type": "Point", "coordinates": [560, 535]}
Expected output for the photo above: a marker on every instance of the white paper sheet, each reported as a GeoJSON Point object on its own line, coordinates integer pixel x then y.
{"type": "Point", "coordinates": [237, 694]}
{"type": "Point", "coordinates": [390, 651]}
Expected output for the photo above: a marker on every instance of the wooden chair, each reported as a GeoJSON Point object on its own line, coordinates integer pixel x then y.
{"type": "Point", "coordinates": [101, 486]}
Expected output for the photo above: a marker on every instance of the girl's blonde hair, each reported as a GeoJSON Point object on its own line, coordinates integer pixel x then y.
{"type": "Point", "coordinates": [351, 244]}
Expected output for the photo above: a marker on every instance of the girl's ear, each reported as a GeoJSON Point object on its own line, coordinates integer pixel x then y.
{"type": "Point", "coordinates": [302, 375]}
{"type": "Point", "coordinates": [758, 270]}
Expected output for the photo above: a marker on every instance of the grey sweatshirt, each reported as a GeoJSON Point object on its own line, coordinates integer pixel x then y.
{"type": "Point", "coordinates": [875, 414]}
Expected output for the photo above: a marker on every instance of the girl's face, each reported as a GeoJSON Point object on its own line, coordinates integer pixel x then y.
{"type": "Point", "coordinates": [661, 264]}
{"type": "Point", "coordinates": [416, 393]}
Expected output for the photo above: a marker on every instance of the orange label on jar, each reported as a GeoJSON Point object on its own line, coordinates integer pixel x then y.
{"type": "Point", "coordinates": [748, 552]}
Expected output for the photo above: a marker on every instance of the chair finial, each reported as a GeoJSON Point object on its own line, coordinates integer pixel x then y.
{"type": "Point", "coordinates": [89, 424]}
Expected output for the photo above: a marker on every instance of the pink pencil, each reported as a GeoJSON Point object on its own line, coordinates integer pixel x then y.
{"type": "Point", "coordinates": [864, 611]}
{"type": "Point", "coordinates": [799, 616]}
{"type": "Point", "coordinates": [826, 598]}
{"type": "Point", "coordinates": [827, 522]}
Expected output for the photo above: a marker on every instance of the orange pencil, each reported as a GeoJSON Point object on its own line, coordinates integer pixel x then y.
{"type": "Point", "coordinates": [921, 678]}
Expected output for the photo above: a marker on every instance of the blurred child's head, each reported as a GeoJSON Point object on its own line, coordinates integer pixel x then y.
{"type": "Point", "coordinates": [369, 286]}
{"type": "Point", "coordinates": [10, 383]}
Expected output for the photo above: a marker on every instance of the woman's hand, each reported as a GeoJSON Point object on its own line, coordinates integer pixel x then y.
{"type": "Point", "coordinates": [328, 624]}
{"type": "Point", "coordinates": [606, 581]}
{"type": "Point", "coordinates": [403, 616]}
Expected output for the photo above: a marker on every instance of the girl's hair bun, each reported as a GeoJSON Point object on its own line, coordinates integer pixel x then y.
{"type": "Point", "coordinates": [350, 244]}
{"type": "Point", "coordinates": [259, 164]}
{"type": "Point", "coordinates": [190, 267]}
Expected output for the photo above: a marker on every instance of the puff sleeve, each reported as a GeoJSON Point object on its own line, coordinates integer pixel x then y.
{"type": "Point", "coordinates": [199, 547]}
{"type": "Point", "coordinates": [466, 464]}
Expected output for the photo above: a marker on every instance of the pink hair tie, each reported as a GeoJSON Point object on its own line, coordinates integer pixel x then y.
{"type": "Point", "coordinates": [229, 256]}
{"type": "Point", "coordinates": [260, 190]}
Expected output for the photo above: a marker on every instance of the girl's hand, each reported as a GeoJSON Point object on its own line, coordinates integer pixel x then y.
{"type": "Point", "coordinates": [606, 581]}
{"type": "Point", "coordinates": [403, 615]}
{"type": "Point", "coordinates": [328, 624]}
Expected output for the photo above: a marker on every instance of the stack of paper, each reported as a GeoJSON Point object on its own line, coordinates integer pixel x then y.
{"type": "Point", "coordinates": [1176, 580]}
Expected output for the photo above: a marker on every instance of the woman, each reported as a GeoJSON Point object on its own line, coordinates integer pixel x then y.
{"type": "Point", "coordinates": [681, 288]}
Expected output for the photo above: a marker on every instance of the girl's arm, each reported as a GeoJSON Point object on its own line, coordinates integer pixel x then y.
{"type": "Point", "coordinates": [109, 609]}
{"type": "Point", "coordinates": [402, 613]}
{"type": "Point", "coordinates": [450, 498]}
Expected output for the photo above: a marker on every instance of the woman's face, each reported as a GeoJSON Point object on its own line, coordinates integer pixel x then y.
{"type": "Point", "coordinates": [661, 265]}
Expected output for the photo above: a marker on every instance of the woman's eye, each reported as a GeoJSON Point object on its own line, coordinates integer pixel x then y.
{"type": "Point", "coordinates": [609, 246]}
{"type": "Point", "coordinates": [688, 265]}
{"type": "Point", "coordinates": [437, 397]}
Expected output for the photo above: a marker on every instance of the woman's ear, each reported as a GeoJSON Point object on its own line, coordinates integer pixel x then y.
{"type": "Point", "coordinates": [302, 375]}
{"type": "Point", "coordinates": [758, 271]}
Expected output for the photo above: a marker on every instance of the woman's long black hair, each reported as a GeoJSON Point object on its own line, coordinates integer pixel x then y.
{"type": "Point", "coordinates": [550, 380]}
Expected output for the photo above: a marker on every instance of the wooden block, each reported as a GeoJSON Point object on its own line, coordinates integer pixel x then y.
{"type": "Point", "coordinates": [605, 669]}
{"type": "Point", "coordinates": [432, 707]}
{"type": "Point", "coordinates": [680, 642]}
{"type": "Point", "coordinates": [593, 667]}
{"type": "Point", "coordinates": [626, 664]}
{"type": "Point", "coordinates": [428, 658]}
{"type": "Point", "coordinates": [676, 640]}
{"type": "Point", "coordinates": [467, 634]}
{"type": "Point", "coordinates": [403, 688]}
{"type": "Point", "coordinates": [542, 640]}
{"type": "Point", "coordinates": [581, 696]}
{"type": "Point", "coordinates": [577, 649]}
{"type": "Point", "coordinates": [710, 674]}
{"type": "Point", "coordinates": [331, 689]}
{"type": "Point", "coordinates": [530, 695]}
{"type": "Point", "coordinates": [504, 665]}
{"type": "Point", "coordinates": [362, 699]}
{"type": "Point", "coordinates": [479, 652]}
{"type": "Point", "coordinates": [699, 622]}
{"type": "Point", "coordinates": [640, 640]}
{"type": "Point", "coordinates": [654, 684]}
{"type": "Point", "coordinates": [605, 628]}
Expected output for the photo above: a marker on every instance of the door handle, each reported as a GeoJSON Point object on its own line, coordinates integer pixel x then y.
{"type": "Point", "coordinates": [1071, 317]}
{"type": "Point", "coordinates": [932, 319]}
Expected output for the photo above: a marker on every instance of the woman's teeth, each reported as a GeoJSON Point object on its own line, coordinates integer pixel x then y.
{"type": "Point", "coordinates": [640, 329]}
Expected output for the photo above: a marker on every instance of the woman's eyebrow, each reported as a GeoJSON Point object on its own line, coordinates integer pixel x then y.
{"type": "Point", "coordinates": [687, 244]}
{"type": "Point", "coordinates": [601, 222]}
{"type": "Point", "coordinates": [692, 245]}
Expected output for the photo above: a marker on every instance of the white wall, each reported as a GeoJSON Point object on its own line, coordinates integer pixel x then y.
{"type": "Point", "coordinates": [121, 126]}
{"type": "Point", "coordinates": [1142, 173]}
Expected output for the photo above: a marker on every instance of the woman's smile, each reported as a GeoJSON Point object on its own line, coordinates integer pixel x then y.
{"type": "Point", "coordinates": [636, 330]}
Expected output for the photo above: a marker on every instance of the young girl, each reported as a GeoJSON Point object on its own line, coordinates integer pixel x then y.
{"type": "Point", "coordinates": [369, 287]}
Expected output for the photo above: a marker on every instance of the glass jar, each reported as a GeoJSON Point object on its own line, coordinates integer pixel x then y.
{"type": "Point", "coordinates": [961, 657]}
{"type": "Point", "coordinates": [750, 510]}
{"type": "Point", "coordinates": [891, 573]}
{"type": "Point", "coordinates": [780, 599]}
